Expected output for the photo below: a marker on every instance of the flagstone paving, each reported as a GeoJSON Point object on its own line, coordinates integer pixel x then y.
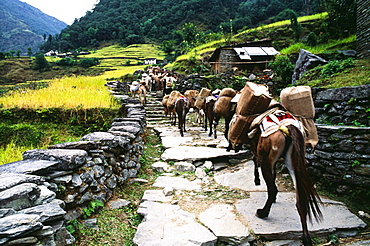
{"type": "Point", "coordinates": [218, 208]}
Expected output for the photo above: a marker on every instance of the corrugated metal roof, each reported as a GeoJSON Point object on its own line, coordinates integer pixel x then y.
{"type": "Point", "coordinates": [245, 53]}
{"type": "Point", "coordinates": [270, 51]}
{"type": "Point", "coordinates": [242, 53]}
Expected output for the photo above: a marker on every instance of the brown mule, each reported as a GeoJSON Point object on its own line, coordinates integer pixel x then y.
{"type": "Point", "coordinates": [288, 142]}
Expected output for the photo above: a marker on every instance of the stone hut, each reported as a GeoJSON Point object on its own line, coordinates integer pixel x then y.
{"type": "Point", "coordinates": [246, 56]}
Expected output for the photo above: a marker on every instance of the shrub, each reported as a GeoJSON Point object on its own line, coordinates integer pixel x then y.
{"type": "Point", "coordinates": [66, 62]}
{"type": "Point", "coordinates": [89, 62]}
{"type": "Point", "coordinates": [283, 67]}
{"type": "Point", "coordinates": [336, 66]}
{"type": "Point", "coordinates": [311, 39]}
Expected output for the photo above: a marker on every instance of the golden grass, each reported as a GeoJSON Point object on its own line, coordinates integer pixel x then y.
{"type": "Point", "coordinates": [12, 152]}
{"type": "Point", "coordinates": [118, 72]}
{"type": "Point", "coordinates": [71, 92]}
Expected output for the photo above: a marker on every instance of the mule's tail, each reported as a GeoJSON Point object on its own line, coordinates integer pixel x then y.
{"type": "Point", "coordinates": [307, 197]}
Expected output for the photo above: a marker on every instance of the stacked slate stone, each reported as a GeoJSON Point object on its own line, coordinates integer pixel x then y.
{"type": "Point", "coordinates": [346, 105]}
{"type": "Point", "coordinates": [342, 154]}
{"type": "Point", "coordinates": [29, 210]}
{"type": "Point", "coordinates": [39, 194]}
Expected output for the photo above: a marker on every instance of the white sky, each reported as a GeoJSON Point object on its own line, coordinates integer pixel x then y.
{"type": "Point", "coordinates": [64, 10]}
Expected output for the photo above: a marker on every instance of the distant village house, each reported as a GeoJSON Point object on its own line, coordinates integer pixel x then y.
{"type": "Point", "coordinates": [150, 61]}
{"type": "Point", "coordinates": [249, 56]}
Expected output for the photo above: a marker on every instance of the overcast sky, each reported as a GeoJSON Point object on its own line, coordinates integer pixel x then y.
{"type": "Point", "coordinates": [64, 10]}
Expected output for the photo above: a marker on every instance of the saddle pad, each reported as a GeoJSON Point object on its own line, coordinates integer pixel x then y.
{"type": "Point", "coordinates": [211, 98]}
{"type": "Point", "coordinates": [272, 122]}
{"type": "Point", "coordinates": [134, 88]}
{"type": "Point", "coordinates": [181, 98]}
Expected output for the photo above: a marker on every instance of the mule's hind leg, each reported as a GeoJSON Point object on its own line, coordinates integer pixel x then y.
{"type": "Point", "coordinates": [269, 149]}
{"type": "Point", "coordinates": [269, 177]}
{"type": "Point", "coordinates": [216, 119]}
{"type": "Point", "coordinates": [257, 180]}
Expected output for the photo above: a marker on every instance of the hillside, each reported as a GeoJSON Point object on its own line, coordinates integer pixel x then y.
{"type": "Point", "coordinates": [146, 21]}
{"type": "Point", "coordinates": [23, 26]}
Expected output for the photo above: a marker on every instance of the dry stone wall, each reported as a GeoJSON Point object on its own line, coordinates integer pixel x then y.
{"type": "Point", "coordinates": [49, 187]}
{"type": "Point", "coordinates": [342, 156]}
{"type": "Point", "coordinates": [363, 28]}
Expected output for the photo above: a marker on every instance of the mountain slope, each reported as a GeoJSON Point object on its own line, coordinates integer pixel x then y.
{"type": "Point", "coordinates": [145, 21]}
{"type": "Point", "coordinates": [23, 26]}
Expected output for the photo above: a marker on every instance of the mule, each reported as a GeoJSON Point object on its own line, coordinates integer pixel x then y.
{"type": "Point", "coordinates": [168, 111]}
{"type": "Point", "coordinates": [192, 95]}
{"type": "Point", "coordinates": [288, 142]}
{"type": "Point", "coordinates": [224, 108]}
{"type": "Point", "coordinates": [182, 109]}
{"type": "Point", "coordinates": [137, 89]}
{"type": "Point", "coordinates": [170, 105]}
{"type": "Point", "coordinates": [208, 108]}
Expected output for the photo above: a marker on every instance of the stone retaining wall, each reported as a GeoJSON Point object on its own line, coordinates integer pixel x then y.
{"type": "Point", "coordinates": [49, 187]}
{"type": "Point", "coordinates": [342, 156]}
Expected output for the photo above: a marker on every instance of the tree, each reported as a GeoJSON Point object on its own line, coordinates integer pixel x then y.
{"type": "Point", "coordinates": [29, 51]}
{"type": "Point", "coordinates": [297, 28]}
{"type": "Point", "coordinates": [40, 63]}
{"type": "Point", "coordinates": [18, 53]}
{"type": "Point", "coordinates": [342, 17]}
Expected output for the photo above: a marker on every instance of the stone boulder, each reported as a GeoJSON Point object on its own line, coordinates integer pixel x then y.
{"type": "Point", "coordinates": [305, 62]}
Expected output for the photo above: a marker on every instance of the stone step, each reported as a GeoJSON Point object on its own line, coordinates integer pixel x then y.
{"type": "Point", "coordinates": [157, 112]}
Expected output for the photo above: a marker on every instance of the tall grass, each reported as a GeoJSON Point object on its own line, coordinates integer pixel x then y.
{"type": "Point", "coordinates": [295, 48]}
{"type": "Point", "coordinates": [11, 152]}
{"type": "Point", "coordinates": [69, 92]}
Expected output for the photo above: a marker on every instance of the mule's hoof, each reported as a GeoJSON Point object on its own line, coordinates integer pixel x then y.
{"type": "Point", "coordinates": [257, 182]}
{"type": "Point", "coordinates": [261, 214]}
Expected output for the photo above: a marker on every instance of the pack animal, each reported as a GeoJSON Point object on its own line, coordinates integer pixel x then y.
{"type": "Point", "coordinates": [208, 108]}
{"type": "Point", "coordinates": [138, 89]}
{"type": "Point", "coordinates": [182, 109]}
{"type": "Point", "coordinates": [192, 95]}
{"type": "Point", "coordinates": [223, 109]}
{"type": "Point", "coordinates": [170, 105]}
{"type": "Point", "coordinates": [286, 141]}
{"type": "Point", "coordinates": [168, 111]}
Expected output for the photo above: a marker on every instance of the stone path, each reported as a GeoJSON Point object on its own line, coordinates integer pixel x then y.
{"type": "Point", "coordinates": [192, 206]}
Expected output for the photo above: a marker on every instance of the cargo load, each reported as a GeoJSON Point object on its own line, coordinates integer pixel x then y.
{"type": "Point", "coordinates": [165, 100]}
{"type": "Point", "coordinates": [227, 92]}
{"type": "Point", "coordinates": [298, 101]}
{"type": "Point", "coordinates": [254, 99]}
{"type": "Point", "coordinates": [239, 129]}
{"type": "Point", "coordinates": [204, 92]}
{"type": "Point", "coordinates": [172, 98]}
{"type": "Point", "coordinates": [222, 106]}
